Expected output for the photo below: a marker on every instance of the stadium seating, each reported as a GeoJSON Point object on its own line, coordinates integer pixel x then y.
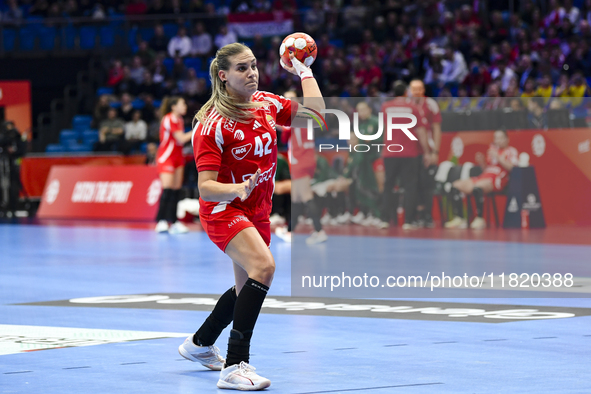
{"type": "Point", "coordinates": [66, 136]}
{"type": "Point", "coordinates": [8, 39]}
{"type": "Point", "coordinates": [104, 90]}
{"type": "Point", "coordinates": [47, 37]}
{"type": "Point", "coordinates": [90, 136]}
{"type": "Point", "coordinates": [55, 148]}
{"type": "Point", "coordinates": [107, 36]}
{"type": "Point", "coordinates": [193, 62]}
{"type": "Point", "coordinates": [88, 37]}
{"type": "Point", "coordinates": [81, 122]}
{"type": "Point", "coordinates": [26, 38]}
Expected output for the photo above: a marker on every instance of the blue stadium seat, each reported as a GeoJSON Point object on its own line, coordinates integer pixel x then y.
{"type": "Point", "coordinates": [52, 148]}
{"type": "Point", "coordinates": [193, 62]}
{"type": "Point", "coordinates": [169, 64]}
{"type": "Point", "coordinates": [81, 122]}
{"type": "Point", "coordinates": [26, 38]}
{"type": "Point", "coordinates": [68, 37]}
{"type": "Point", "coordinates": [107, 36]}
{"type": "Point", "coordinates": [144, 147]}
{"type": "Point", "coordinates": [104, 90]}
{"type": "Point", "coordinates": [132, 37]}
{"type": "Point", "coordinates": [9, 39]}
{"type": "Point", "coordinates": [337, 43]}
{"type": "Point", "coordinates": [90, 136]}
{"type": "Point", "coordinates": [47, 38]}
{"type": "Point", "coordinates": [115, 104]}
{"type": "Point", "coordinates": [146, 33]}
{"type": "Point", "coordinates": [204, 75]}
{"type": "Point", "coordinates": [87, 37]}
{"type": "Point", "coordinates": [138, 103]}
{"type": "Point", "coordinates": [76, 147]}
{"type": "Point", "coordinates": [170, 29]}
{"type": "Point", "coordinates": [66, 136]}
{"type": "Point", "coordinates": [157, 103]}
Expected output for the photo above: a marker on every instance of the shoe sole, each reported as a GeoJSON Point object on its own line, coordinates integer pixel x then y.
{"type": "Point", "coordinates": [229, 386]}
{"type": "Point", "coordinates": [189, 357]}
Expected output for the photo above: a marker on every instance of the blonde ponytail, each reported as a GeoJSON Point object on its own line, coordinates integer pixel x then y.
{"type": "Point", "coordinates": [220, 100]}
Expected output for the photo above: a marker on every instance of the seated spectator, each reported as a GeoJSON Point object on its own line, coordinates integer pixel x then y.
{"type": "Point", "coordinates": [136, 132]}
{"type": "Point", "coordinates": [454, 68]}
{"type": "Point", "coordinates": [115, 74]}
{"type": "Point", "coordinates": [159, 42]}
{"type": "Point", "coordinates": [148, 87]}
{"type": "Point", "coordinates": [545, 90]}
{"type": "Point", "coordinates": [314, 19]}
{"type": "Point", "coordinates": [12, 12]}
{"type": "Point", "coordinates": [136, 7]}
{"type": "Point", "coordinates": [125, 111]}
{"type": "Point", "coordinates": [127, 84]}
{"type": "Point", "coordinates": [110, 133]}
{"type": "Point", "coordinates": [151, 151]}
{"type": "Point", "coordinates": [478, 76]}
{"type": "Point", "coordinates": [537, 118]}
{"type": "Point", "coordinates": [238, 6]}
{"type": "Point", "coordinates": [577, 89]}
{"type": "Point", "coordinates": [225, 37]}
{"type": "Point", "coordinates": [500, 160]}
{"type": "Point", "coordinates": [159, 71]}
{"type": "Point", "coordinates": [195, 7]}
{"type": "Point", "coordinates": [529, 90]}
{"type": "Point", "coordinates": [101, 110]}
{"type": "Point", "coordinates": [180, 45]}
{"type": "Point", "coordinates": [39, 8]}
{"type": "Point", "coordinates": [202, 43]}
{"type": "Point", "coordinates": [148, 108]}
{"type": "Point", "coordinates": [259, 49]}
{"type": "Point", "coordinates": [503, 74]}
{"type": "Point", "coordinates": [179, 70]}
{"type": "Point", "coordinates": [136, 70]}
{"type": "Point", "coordinates": [145, 53]}
{"type": "Point", "coordinates": [158, 7]}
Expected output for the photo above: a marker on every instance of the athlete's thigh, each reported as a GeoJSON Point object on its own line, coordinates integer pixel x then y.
{"type": "Point", "coordinates": [464, 185]}
{"type": "Point", "coordinates": [486, 184]}
{"type": "Point", "coordinates": [167, 179]}
{"type": "Point", "coordinates": [178, 177]}
{"type": "Point", "coordinates": [249, 250]}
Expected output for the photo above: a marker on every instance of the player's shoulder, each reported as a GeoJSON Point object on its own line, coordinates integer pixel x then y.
{"type": "Point", "coordinates": [213, 121]}
{"type": "Point", "coordinates": [276, 100]}
{"type": "Point", "coordinates": [431, 105]}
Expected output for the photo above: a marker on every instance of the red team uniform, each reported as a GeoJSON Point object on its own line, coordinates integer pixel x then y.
{"type": "Point", "coordinates": [301, 152]}
{"type": "Point", "coordinates": [494, 171]}
{"type": "Point", "coordinates": [411, 148]}
{"type": "Point", "coordinates": [170, 152]}
{"type": "Point", "coordinates": [432, 114]}
{"type": "Point", "coordinates": [236, 151]}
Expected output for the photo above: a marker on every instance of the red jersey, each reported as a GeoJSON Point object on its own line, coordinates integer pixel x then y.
{"type": "Point", "coordinates": [236, 150]}
{"type": "Point", "coordinates": [410, 148]}
{"type": "Point", "coordinates": [509, 154]}
{"type": "Point", "coordinates": [301, 152]}
{"type": "Point", "coordinates": [432, 115]}
{"type": "Point", "coordinates": [169, 147]}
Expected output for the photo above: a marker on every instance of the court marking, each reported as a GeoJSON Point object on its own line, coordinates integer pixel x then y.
{"type": "Point", "coordinates": [372, 388]}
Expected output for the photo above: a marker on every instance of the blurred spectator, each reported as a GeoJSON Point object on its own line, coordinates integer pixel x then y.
{"type": "Point", "coordinates": [98, 12]}
{"type": "Point", "coordinates": [354, 19]}
{"type": "Point", "coordinates": [537, 118]}
{"type": "Point", "coordinates": [180, 45]}
{"type": "Point", "coordinates": [115, 74]}
{"type": "Point", "coordinates": [529, 89]}
{"type": "Point", "coordinates": [225, 37]}
{"type": "Point", "coordinates": [479, 77]}
{"type": "Point", "coordinates": [148, 108]}
{"type": "Point", "coordinates": [258, 48]}
{"type": "Point", "coordinates": [454, 68]}
{"type": "Point", "coordinates": [151, 151]}
{"type": "Point", "coordinates": [179, 71]}
{"type": "Point", "coordinates": [159, 42]}
{"type": "Point", "coordinates": [202, 43]}
{"type": "Point", "coordinates": [159, 72]}
{"type": "Point", "coordinates": [148, 87]}
{"type": "Point", "coordinates": [136, 70]}
{"type": "Point", "coordinates": [545, 90]}
{"type": "Point", "coordinates": [503, 74]}
{"type": "Point", "coordinates": [127, 84]}
{"type": "Point", "coordinates": [110, 132]}
{"type": "Point", "coordinates": [136, 131]}
{"type": "Point", "coordinates": [158, 8]}
{"type": "Point", "coordinates": [237, 6]}
{"type": "Point", "coordinates": [145, 53]}
{"type": "Point", "coordinates": [125, 111]}
{"type": "Point", "coordinates": [12, 12]}
{"type": "Point", "coordinates": [101, 109]}
{"type": "Point", "coordinates": [195, 7]}
{"type": "Point", "coordinates": [525, 70]}
{"type": "Point", "coordinates": [314, 18]}
{"type": "Point", "coordinates": [39, 8]}
{"type": "Point", "coordinates": [578, 89]}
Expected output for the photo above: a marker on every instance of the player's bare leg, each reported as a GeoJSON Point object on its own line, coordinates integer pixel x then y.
{"type": "Point", "coordinates": [177, 227]}
{"type": "Point", "coordinates": [304, 200]}
{"type": "Point", "coordinates": [167, 180]}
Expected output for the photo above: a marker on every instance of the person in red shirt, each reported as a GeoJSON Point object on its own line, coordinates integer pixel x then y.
{"type": "Point", "coordinates": [235, 148]}
{"type": "Point", "coordinates": [500, 160]}
{"type": "Point", "coordinates": [432, 123]}
{"type": "Point", "coordinates": [402, 156]}
{"type": "Point", "coordinates": [302, 160]}
{"type": "Point", "coordinates": [170, 163]}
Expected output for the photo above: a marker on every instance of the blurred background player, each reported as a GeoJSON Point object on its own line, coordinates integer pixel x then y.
{"type": "Point", "coordinates": [302, 156]}
{"type": "Point", "coordinates": [402, 156]}
{"type": "Point", "coordinates": [500, 160]}
{"type": "Point", "coordinates": [171, 163]}
{"type": "Point", "coordinates": [426, 184]}
{"type": "Point", "coordinates": [281, 211]}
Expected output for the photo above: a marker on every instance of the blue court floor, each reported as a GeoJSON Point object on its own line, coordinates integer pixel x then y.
{"type": "Point", "coordinates": [62, 330]}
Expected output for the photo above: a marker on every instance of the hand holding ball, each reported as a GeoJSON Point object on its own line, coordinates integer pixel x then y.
{"type": "Point", "coordinates": [304, 50]}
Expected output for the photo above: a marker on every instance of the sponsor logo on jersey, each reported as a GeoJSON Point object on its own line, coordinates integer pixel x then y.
{"type": "Point", "coordinates": [271, 121]}
{"type": "Point", "coordinates": [237, 219]}
{"type": "Point", "coordinates": [264, 177]}
{"type": "Point", "coordinates": [101, 192]}
{"type": "Point", "coordinates": [240, 152]}
{"type": "Point", "coordinates": [256, 125]}
{"type": "Point", "coordinates": [230, 125]}
{"type": "Point", "coordinates": [239, 135]}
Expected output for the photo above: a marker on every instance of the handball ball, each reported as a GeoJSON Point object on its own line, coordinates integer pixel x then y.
{"type": "Point", "coordinates": [303, 47]}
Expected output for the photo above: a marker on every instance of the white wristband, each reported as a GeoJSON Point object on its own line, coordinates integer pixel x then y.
{"type": "Point", "coordinates": [302, 70]}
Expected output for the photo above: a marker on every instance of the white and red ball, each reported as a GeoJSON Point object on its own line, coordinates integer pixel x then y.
{"type": "Point", "coordinates": [303, 47]}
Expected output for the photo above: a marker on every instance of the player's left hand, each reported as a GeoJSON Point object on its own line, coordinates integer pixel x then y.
{"type": "Point", "coordinates": [434, 158]}
{"type": "Point", "coordinates": [298, 68]}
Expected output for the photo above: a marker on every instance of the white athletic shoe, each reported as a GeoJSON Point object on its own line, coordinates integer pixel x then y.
{"type": "Point", "coordinates": [457, 222]}
{"type": "Point", "coordinates": [162, 226]}
{"type": "Point", "coordinates": [478, 223]}
{"type": "Point", "coordinates": [325, 219]}
{"type": "Point", "coordinates": [317, 237]}
{"type": "Point", "coordinates": [344, 218]}
{"type": "Point", "coordinates": [178, 228]}
{"type": "Point", "coordinates": [357, 219]}
{"type": "Point", "coordinates": [409, 226]}
{"type": "Point", "coordinates": [242, 377]}
{"type": "Point", "coordinates": [381, 224]}
{"type": "Point", "coordinates": [283, 234]}
{"type": "Point", "coordinates": [368, 221]}
{"type": "Point", "coordinates": [208, 356]}
{"type": "Point", "coordinates": [277, 220]}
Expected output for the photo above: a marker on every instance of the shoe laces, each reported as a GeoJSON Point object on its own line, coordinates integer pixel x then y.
{"type": "Point", "coordinates": [216, 352]}
{"type": "Point", "coordinates": [245, 368]}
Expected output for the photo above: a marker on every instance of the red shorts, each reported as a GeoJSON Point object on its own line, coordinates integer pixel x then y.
{"type": "Point", "coordinates": [299, 171]}
{"type": "Point", "coordinates": [170, 164]}
{"type": "Point", "coordinates": [499, 181]}
{"type": "Point", "coordinates": [222, 227]}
